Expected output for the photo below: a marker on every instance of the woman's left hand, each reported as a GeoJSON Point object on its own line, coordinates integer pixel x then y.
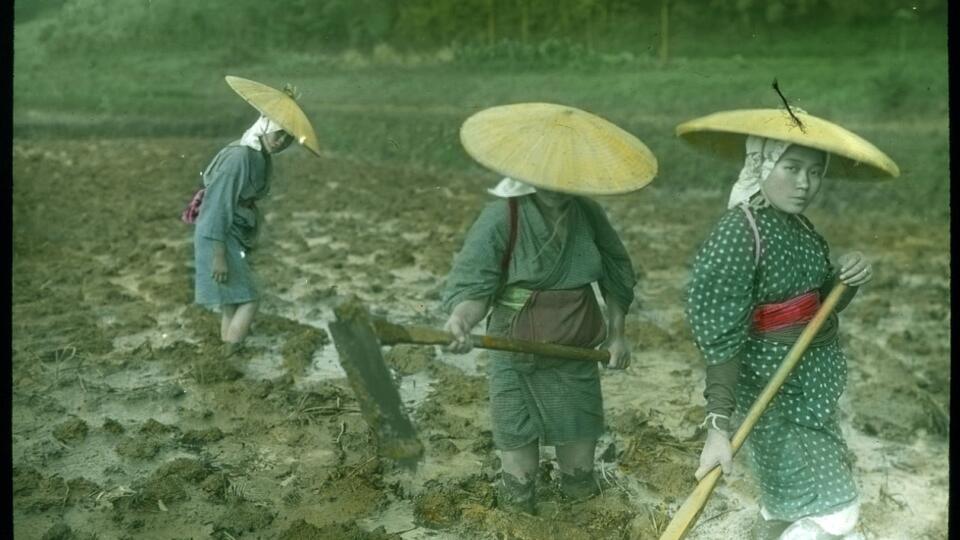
{"type": "Point", "coordinates": [619, 353]}
{"type": "Point", "coordinates": [854, 269]}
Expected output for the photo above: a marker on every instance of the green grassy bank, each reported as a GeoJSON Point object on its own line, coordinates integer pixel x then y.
{"type": "Point", "coordinates": [384, 106]}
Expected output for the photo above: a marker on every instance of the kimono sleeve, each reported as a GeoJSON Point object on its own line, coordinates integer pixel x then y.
{"type": "Point", "coordinates": [476, 271]}
{"type": "Point", "coordinates": [223, 180]}
{"type": "Point", "coordinates": [833, 273]}
{"type": "Point", "coordinates": [721, 295]}
{"type": "Point", "coordinates": [617, 277]}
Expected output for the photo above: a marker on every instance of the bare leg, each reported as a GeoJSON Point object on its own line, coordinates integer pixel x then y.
{"type": "Point", "coordinates": [226, 315]}
{"type": "Point", "coordinates": [522, 463]}
{"type": "Point", "coordinates": [240, 323]}
{"type": "Point", "coordinates": [518, 476]}
{"type": "Point", "coordinates": [576, 469]}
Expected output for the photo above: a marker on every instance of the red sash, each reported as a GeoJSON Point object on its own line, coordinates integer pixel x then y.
{"type": "Point", "coordinates": [792, 312]}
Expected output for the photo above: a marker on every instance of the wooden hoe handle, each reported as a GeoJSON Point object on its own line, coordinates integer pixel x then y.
{"type": "Point", "coordinates": [390, 334]}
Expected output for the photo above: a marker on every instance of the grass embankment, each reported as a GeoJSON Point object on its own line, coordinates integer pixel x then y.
{"type": "Point", "coordinates": [407, 110]}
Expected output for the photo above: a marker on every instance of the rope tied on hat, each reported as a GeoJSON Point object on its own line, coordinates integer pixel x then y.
{"type": "Point", "coordinates": [291, 91]}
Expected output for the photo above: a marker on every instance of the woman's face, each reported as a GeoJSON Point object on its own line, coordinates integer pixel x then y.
{"type": "Point", "coordinates": [276, 141]}
{"type": "Point", "coordinates": [795, 179]}
{"type": "Point", "coordinates": [552, 199]}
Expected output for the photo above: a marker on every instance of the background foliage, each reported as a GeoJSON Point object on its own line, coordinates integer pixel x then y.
{"type": "Point", "coordinates": [417, 25]}
{"type": "Point", "coordinates": [391, 80]}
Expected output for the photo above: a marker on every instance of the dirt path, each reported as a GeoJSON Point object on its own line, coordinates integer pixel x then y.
{"type": "Point", "coordinates": [125, 425]}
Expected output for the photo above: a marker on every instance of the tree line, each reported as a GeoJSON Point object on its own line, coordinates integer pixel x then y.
{"type": "Point", "coordinates": [417, 25]}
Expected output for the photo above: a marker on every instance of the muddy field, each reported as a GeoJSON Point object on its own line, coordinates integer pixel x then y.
{"type": "Point", "coordinates": [126, 425]}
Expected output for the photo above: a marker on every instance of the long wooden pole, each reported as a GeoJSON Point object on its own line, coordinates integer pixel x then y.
{"type": "Point", "coordinates": [390, 334]}
{"type": "Point", "coordinates": [686, 516]}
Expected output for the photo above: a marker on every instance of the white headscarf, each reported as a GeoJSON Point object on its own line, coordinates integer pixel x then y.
{"type": "Point", "coordinates": [262, 126]}
{"type": "Point", "coordinates": [508, 187]}
{"type": "Point", "coordinates": [761, 156]}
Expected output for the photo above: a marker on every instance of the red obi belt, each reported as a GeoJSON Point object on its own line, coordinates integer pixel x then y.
{"type": "Point", "coordinates": [793, 312]}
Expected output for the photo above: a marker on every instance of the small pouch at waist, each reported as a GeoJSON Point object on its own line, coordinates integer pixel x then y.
{"type": "Point", "coordinates": [564, 317]}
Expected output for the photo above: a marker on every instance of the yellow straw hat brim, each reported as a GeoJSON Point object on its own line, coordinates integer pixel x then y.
{"type": "Point", "coordinates": [558, 148]}
{"type": "Point", "coordinates": [724, 133]}
{"type": "Point", "coordinates": [279, 107]}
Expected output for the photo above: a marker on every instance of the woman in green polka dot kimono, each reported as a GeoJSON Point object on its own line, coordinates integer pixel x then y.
{"type": "Point", "coordinates": [756, 281]}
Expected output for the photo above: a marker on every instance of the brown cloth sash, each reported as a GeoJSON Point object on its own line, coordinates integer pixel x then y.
{"type": "Point", "coordinates": [561, 316]}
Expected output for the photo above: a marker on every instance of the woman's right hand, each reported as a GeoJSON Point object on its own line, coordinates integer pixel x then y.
{"type": "Point", "coordinates": [855, 269]}
{"type": "Point", "coordinates": [219, 267]}
{"type": "Point", "coordinates": [457, 326]}
{"type": "Point", "coordinates": [716, 451]}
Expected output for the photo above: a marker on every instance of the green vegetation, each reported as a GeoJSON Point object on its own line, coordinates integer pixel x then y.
{"type": "Point", "coordinates": [402, 101]}
{"type": "Point", "coordinates": [418, 25]}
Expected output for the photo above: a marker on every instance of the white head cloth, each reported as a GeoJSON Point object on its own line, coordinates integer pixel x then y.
{"type": "Point", "coordinates": [761, 156]}
{"type": "Point", "coordinates": [508, 187]}
{"type": "Point", "coordinates": [262, 126]}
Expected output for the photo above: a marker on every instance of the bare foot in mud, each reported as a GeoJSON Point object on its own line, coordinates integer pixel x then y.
{"type": "Point", "coordinates": [233, 355]}
{"type": "Point", "coordinates": [231, 349]}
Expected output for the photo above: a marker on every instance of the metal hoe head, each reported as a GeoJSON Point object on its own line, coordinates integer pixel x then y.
{"type": "Point", "coordinates": [359, 350]}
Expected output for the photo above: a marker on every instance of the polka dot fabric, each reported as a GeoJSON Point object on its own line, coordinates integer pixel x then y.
{"type": "Point", "coordinates": [796, 449]}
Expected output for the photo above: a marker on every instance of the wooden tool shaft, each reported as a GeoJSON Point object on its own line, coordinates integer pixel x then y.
{"type": "Point", "coordinates": [390, 334]}
{"type": "Point", "coordinates": [793, 357]}
{"type": "Point", "coordinates": [686, 516]}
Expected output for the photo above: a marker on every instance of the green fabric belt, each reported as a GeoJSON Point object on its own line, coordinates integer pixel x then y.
{"type": "Point", "coordinates": [514, 297]}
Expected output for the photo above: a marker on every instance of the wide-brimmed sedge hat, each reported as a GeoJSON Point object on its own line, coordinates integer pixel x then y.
{"type": "Point", "coordinates": [558, 148]}
{"type": "Point", "coordinates": [279, 106]}
{"type": "Point", "coordinates": [724, 133]}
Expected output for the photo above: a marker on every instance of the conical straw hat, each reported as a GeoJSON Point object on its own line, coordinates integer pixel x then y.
{"type": "Point", "coordinates": [279, 107]}
{"type": "Point", "coordinates": [558, 148]}
{"type": "Point", "coordinates": [724, 133]}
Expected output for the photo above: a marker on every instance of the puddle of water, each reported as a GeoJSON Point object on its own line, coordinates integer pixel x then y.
{"type": "Point", "coordinates": [265, 366]}
{"type": "Point", "coordinates": [128, 282]}
{"type": "Point", "coordinates": [109, 468]}
{"type": "Point", "coordinates": [415, 237]}
{"type": "Point", "coordinates": [398, 518]}
{"type": "Point", "coordinates": [168, 331]}
{"type": "Point", "coordinates": [318, 240]}
{"type": "Point", "coordinates": [472, 363]}
{"type": "Point", "coordinates": [415, 388]}
{"type": "Point", "coordinates": [414, 275]}
{"type": "Point", "coordinates": [325, 366]}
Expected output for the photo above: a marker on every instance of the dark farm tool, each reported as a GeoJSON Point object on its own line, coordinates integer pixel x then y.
{"type": "Point", "coordinates": [358, 338]}
{"type": "Point", "coordinates": [686, 516]}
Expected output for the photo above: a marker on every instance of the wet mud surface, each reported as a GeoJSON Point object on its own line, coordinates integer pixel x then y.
{"type": "Point", "coordinates": [127, 424]}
